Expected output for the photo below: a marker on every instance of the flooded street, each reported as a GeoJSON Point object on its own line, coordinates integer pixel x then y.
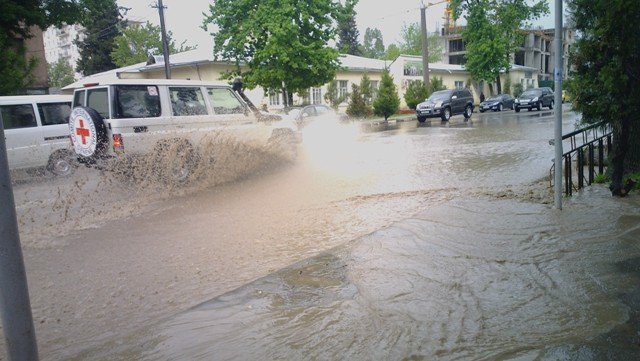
{"type": "Point", "coordinates": [433, 242]}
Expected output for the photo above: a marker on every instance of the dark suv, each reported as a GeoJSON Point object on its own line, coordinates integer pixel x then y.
{"type": "Point", "coordinates": [445, 103]}
{"type": "Point", "coordinates": [534, 98]}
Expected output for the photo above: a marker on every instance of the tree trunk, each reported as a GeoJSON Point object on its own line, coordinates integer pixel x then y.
{"type": "Point", "coordinates": [621, 132]}
{"type": "Point", "coordinates": [498, 84]}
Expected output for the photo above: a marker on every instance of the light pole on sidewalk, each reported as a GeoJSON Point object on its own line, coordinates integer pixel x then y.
{"type": "Point", "coordinates": [557, 181]}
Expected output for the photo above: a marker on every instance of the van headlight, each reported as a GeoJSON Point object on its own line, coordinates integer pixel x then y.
{"type": "Point", "coordinates": [438, 104]}
{"type": "Point", "coordinates": [535, 99]}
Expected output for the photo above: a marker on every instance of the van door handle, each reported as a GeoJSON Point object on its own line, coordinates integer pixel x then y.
{"type": "Point", "coordinates": [140, 129]}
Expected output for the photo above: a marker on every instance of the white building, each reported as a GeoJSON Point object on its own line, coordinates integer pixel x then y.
{"type": "Point", "coordinates": [59, 43]}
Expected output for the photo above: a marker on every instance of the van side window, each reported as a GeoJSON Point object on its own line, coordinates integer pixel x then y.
{"type": "Point", "coordinates": [98, 99]}
{"type": "Point", "coordinates": [18, 116]}
{"type": "Point", "coordinates": [137, 101]}
{"type": "Point", "coordinates": [78, 98]}
{"type": "Point", "coordinates": [54, 113]}
{"type": "Point", "coordinates": [187, 101]}
{"type": "Point", "coordinates": [224, 102]}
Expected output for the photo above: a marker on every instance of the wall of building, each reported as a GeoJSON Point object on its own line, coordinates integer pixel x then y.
{"type": "Point", "coordinates": [34, 48]}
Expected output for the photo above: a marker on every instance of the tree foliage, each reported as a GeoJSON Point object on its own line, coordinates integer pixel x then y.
{"type": "Point", "coordinates": [332, 95]}
{"type": "Point", "coordinates": [605, 82]}
{"type": "Point", "coordinates": [60, 73]}
{"type": "Point", "coordinates": [387, 101]}
{"type": "Point", "coordinates": [136, 43]}
{"type": "Point", "coordinates": [412, 42]}
{"type": "Point", "coordinates": [373, 45]}
{"type": "Point", "coordinates": [16, 19]}
{"type": "Point", "coordinates": [102, 22]}
{"type": "Point", "coordinates": [417, 92]}
{"type": "Point", "coordinates": [282, 42]}
{"type": "Point", "coordinates": [492, 33]}
{"type": "Point", "coordinates": [392, 53]}
{"type": "Point", "coordinates": [366, 90]}
{"type": "Point", "coordinates": [357, 105]}
{"type": "Point", "coordinates": [347, 30]}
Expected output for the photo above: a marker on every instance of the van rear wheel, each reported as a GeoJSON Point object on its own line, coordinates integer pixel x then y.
{"type": "Point", "coordinates": [62, 163]}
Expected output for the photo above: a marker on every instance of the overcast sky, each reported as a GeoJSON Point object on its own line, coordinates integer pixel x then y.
{"type": "Point", "coordinates": [184, 17]}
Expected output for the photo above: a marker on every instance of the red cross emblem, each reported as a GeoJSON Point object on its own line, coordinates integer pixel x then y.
{"type": "Point", "coordinates": [82, 131]}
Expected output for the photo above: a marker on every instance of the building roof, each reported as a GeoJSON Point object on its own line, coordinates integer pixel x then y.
{"type": "Point", "coordinates": [205, 56]}
{"type": "Point", "coordinates": [353, 62]}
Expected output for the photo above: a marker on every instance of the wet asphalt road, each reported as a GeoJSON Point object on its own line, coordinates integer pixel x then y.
{"type": "Point", "coordinates": [101, 272]}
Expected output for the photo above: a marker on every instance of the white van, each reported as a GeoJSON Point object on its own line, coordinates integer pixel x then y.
{"type": "Point", "coordinates": [125, 118]}
{"type": "Point", "coordinates": [37, 132]}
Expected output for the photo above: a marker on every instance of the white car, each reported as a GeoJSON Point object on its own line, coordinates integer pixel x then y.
{"type": "Point", "coordinates": [37, 133]}
{"type": "Point", "coordinates": [129, 118]}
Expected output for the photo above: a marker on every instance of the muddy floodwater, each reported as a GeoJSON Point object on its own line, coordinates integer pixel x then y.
{"type": "Point", "coordinates": [402, 243]}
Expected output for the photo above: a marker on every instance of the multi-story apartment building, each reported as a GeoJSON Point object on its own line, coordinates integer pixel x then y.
{"type": "Point", "coordinates": [60, 43]}
{"type": "Point", "coordinates": [537, 50]}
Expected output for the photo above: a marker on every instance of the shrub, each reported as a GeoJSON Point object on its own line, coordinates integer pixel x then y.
{"type": "Point", "coordinates": [387, 102]}
{"type": "Point", "coordinates": [416, 93]}
{"type": "Point", "coordinates": [517, 90]}
{"type": "Point", "coordinates": [357, 105]}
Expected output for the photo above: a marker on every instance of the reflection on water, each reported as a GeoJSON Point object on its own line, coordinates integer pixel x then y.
{"type": "Point", "coordinates": [465, 279]}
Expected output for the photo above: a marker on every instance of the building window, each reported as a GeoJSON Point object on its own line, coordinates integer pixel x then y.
{"type": "Point", "coordinates": [457, 59]}
{"type": "Point", "coordinates": [343, 88]}
{"type": "Point", "coordinates": [316, 95]}
{"type": "Point", "coordinates": [374, 89]}
{"type": "Point", "coordinates": [274, 98]}
{"type": "Point", "coordinates": [456, 45]}
{"type": "Point", "coordinates": [459, 84]}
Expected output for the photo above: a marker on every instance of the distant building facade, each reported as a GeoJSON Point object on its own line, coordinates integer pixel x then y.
{"type": "Point", "coordinates": [34, 49]}
{"type": "Point", "coordinates": [537, 51]}
{"type": "Point", "coordinates": [59, 43]}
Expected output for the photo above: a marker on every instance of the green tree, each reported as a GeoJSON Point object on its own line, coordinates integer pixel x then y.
{"type": "Point", "coordinates": [387, 102]}
{"type": "Point", "coordinates": [417, 92]}
{"type": "Point", "coordinates": [60, 73]}
{"type": "Point", "coordinates": [492, 33]}
{"type": "Point", "coordinates": [16, 19]}
{"type": "Point", "coordinates": [366, 90]}
{"type": "Point", "coordinates": [373, 46]}
{"type": "Point", "coordinates": [517, 90]}
{"type": "Point", "coordinates": [605, 82]}
{"type": "Point", "coordinates": [332, 95]}
{"type": "Point", "coordinates": [347, 30]}
{"type": "Point", "coordinates": [136, 43]}
{"type": "Point", "coordinates": [102, 22]}
{"type": "Point", "coordinates": [282, 42]}
{"type": "Point", "coordinates": [357, 106]}
{"type": "Point", "coordinates": [392, 52]}
{"type": "Point", "coordinates": [412, 42]}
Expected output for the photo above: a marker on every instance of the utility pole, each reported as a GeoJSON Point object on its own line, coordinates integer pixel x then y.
{"type": "Point", "coordinates": [425, 49]}
{"type": "Point", "coordinates": [559, 49]}
{"type": "Point", "coordinates": [165, 43]}
{"type": "Point", "coordinates": [15, 307]}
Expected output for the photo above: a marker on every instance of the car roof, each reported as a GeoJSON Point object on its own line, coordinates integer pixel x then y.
{"type": "Point", "coordinates": [51, 98]}
{"type": "Point", "coordinates": [176, 82]}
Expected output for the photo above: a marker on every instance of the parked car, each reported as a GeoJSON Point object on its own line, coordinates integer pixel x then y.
{"type": "Point", "coordinates": [445, 104]}
{"type": "Point", "coordinates": [535, 98]}
{"type": "Point", "coordinates": [304, 115]}
{"type": "Point", "coordinates": [129, 118]}
{"type": "Point", "coordinates": [497, 103]}
{"type": "Point", "coordinates": [36, 132]}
